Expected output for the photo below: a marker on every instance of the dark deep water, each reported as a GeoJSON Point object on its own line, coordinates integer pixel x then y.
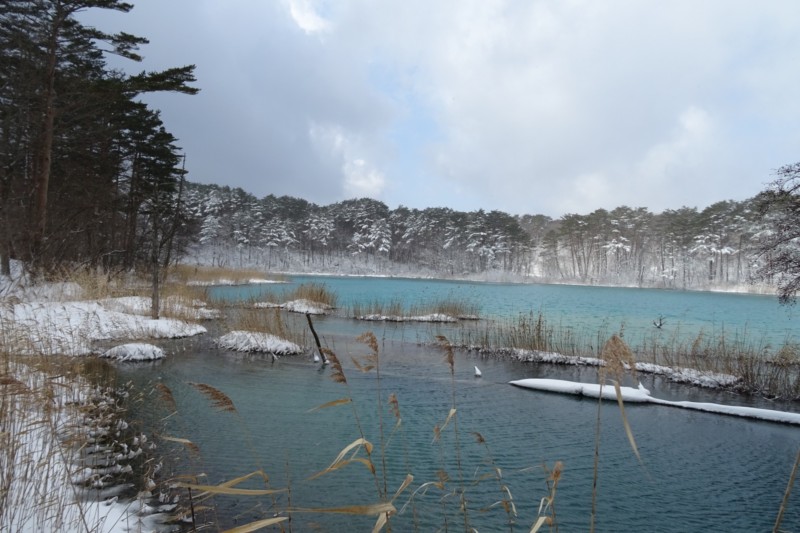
{"type": "Point", "coordinates": [699, 472]}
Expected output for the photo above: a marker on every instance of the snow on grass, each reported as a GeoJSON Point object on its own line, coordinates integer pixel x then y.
{"type": "Point", "coordinates": [140, 305]}
{"type": "Point", "coordinates": [69, 328]}
{"type": "Point", "coordinates": [690, 376]}
{"type": "Point", "coordinates": [307, 306]}
{"type": "Point", "coordinates": [297, 306]}
{"type": "Point", "coordinates": [134, 352]}
{"type": "Point", "coordinates": [642, 395]}
{"type": "Point", "coordinates": [46, 485]}
{"type": "Point", "coordinates": [229, 282]}
{"type": "Point", "coordinates": [432, 317]}
{"type": "Point", "coordinates": [250, 341]}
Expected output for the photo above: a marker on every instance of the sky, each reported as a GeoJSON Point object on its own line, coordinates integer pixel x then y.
{"type": "Point", "coordinates": [524, 106]}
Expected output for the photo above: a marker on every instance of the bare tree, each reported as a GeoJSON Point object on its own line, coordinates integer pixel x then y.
{"type": "Point", "coordinates": [779, 239]}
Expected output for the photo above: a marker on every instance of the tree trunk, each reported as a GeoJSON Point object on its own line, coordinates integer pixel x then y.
{"type": "Point", "coordinates": [155, 304]}
{"type": "Point", "coordinates": [41, 177]}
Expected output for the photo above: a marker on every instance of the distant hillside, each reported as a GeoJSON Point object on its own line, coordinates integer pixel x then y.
{"type": "Point", "coordinates": [683, 248]}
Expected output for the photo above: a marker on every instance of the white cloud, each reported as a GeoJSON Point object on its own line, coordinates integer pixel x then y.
{"type": "Point", "coordinates": [672, 165]}
{"type": "Point", "coordinates": [535, 105]}
{"type": "Point", "coordinates": [359, 178]}
{"type": "Point", "coordinates": [305, 15]}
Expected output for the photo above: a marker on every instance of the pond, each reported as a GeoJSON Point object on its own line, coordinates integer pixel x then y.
{"type": "Point", "coordinates": [698, 471]}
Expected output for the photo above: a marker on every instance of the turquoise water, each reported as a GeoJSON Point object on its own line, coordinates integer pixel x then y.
{"type": "Point", "coordinates": [698, 472]}
{"type": "Point", "coordinates": [580, 308]}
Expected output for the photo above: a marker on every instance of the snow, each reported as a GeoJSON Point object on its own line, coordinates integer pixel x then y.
{"type": "Point", "coordinates": [70, 328]}
{"type": "Point", "coordinates": [642, 395]}
{"type": "Point", "coordinates": [297, 306]}
{"type": "Point", "coordinates": [699, 378]}
{"type": "Point", "coordinates": [134, 352]}
{"type": "Point", "coordinates": [46, 487]}
{"type": "Point", "coordinates": [307, 306]}
{"type": "Point", "coordinates": [140, 305]}
{"type": "Point", "coordinates": [433, 317]}
{"type": "Point", "coordinates": [629, 394]}
{"type": "Point", "coordinates": [223, 281]}
{"type": "Point", "coordinates": [250, 341]}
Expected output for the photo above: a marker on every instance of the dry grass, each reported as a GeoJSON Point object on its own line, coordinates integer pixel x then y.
{"type": "Point", "coordinates": [271, 321]}
{"type": "Point", "coordinates": [396, 309]}
{"type": "Point", "coordinates": [314, 292]}
{"type": "Point", "coordinates": [53, 420]}
{"type": "Point", "coordinates": [214, 275]}
{"type": "Point", "coordinates": [763, 369]}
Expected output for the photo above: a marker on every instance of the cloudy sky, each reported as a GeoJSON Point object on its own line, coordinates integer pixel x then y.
{"type": "Point", "coordinates": [526, 106]}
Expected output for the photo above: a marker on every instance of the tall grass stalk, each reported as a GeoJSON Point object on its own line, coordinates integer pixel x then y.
{"type": "Point", "coordinates": [271, 321]}
{"type": "Point", "coordinates": [54, 420]}
{"type": "Point", "coordinates": [197, 274]}
{"type": "Point", "coordinates": [619, 361]}
{"type": "Point", "coordinates": [396, 309]}
{"type": "Point", "coordinates": [452, 415]}
{"type": "Point", "coordinates": [760, 368]}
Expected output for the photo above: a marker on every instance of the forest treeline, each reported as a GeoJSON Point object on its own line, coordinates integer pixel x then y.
{"type": "Point", "coordinates": [683, 248]}
{"type": "Point", "coordinates": [91, 177]}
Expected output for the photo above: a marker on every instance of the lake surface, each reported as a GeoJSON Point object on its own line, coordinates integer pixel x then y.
{"type": "Point", "coordinates": [584, 309]}
{"type": "Point", "coordinates": [699, 472]}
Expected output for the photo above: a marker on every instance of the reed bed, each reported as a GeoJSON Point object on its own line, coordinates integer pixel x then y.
{"type": "Point", "coordinates": [188, 274]}
{"type": "Point", "coordinates": [313, 292]}
{"type": "Point", "coordinates": [271, 321]}
{"type": "Point", "coordinates": [451, 491]}
{"type": "Point", "coordinates": [757, 366]}
{"type": "Point", "coordinates": [396, 309]}
{"type": "Point", "coordinates": [64, 447]}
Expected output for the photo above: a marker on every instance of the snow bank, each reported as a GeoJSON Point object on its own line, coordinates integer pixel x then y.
{"type": "Point", "coordinates": [139, 305]}
{"type": "Point", "coordinates": [642, 395]}
{"type": "Point", "coordinates": [250, 341]}
{"type": "Point", "coordinates": [134, 352]}
{"type": "Point", "coordinates": [69, 328]}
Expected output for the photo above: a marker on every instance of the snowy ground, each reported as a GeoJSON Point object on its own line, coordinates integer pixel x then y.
{"type": "Point", "coordinates": [47, 485]}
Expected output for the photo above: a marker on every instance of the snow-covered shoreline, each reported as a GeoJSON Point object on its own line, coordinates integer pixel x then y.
{"type": "Point", "coordinates": [66, 458]}
{"type": "Point", "coordinates": [689, 376]}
